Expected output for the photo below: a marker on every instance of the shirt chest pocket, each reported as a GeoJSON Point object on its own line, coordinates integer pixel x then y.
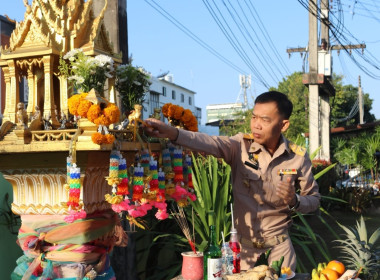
{"type": "Point", "coordinates": [269, 193]}
{"type": "Point", "coordinates": [251, 183]}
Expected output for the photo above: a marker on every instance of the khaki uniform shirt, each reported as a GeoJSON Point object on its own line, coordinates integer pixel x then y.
{"type": "Point", "coordinates": [259, 213]}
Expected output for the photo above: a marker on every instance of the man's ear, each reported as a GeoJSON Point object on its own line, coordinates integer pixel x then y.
{"type": "Point", "coordinates": [285, 125]}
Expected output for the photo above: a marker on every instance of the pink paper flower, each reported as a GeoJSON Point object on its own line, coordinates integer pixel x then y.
{"type": "Point", "coordinates": [137, 212]}
{"type": "Point", "coordinates": [122, 206]}
{"type": "Point", "coordinates": [192, 196]}
{"type": "Point", "coordinates": [161, 214]}
{"type": "Point", "coordinates": [146, 206]}
{"type": "Point", "coordinates": [160, 205]}
{"type": "Point", "coordinates": [179, 193]}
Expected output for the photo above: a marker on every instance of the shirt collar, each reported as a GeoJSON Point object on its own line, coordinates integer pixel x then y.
{"type": "Point", "coordinates": [284, 146]}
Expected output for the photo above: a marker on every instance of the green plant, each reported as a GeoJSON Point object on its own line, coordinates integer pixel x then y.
{"type": "Point", "coordinates": [132, 83]}
{"type": "Point", "coordinates": [211, 179]}
{"type": "Point", "coordinates": [361, 251]}
{"type": "Point", "coordinates": [306, 242]}
{"type": "Point", "coordinates": [353, 199]}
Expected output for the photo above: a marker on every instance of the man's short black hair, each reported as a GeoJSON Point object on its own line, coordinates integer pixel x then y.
{"type": "Point", "coordinates": [284, 105]}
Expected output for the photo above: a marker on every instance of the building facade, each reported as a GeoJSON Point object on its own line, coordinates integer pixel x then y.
{"type": "Point", "coordinates": [163, 90]}
{"type": "Point", "coordinates": [226, 111]}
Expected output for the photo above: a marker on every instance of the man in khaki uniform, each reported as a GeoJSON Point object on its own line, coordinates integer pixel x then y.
{"type": "Point", "coordinates": [267, 170]}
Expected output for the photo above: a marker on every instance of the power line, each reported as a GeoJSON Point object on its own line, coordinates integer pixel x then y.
{"type": "Point", "coordinates": [184, 29]}
{"type": "Point", "coordinates": [343, 41]}
{"type": "Point", "coordinates": [234, 41]}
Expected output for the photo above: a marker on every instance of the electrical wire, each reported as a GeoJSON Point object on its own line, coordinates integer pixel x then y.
{"type": "Point", "coordinates": [185, 30]}
{"type": "Point", "coordinates": [354, 110]}
{"type": "Point", "coordinates": [231, 37]}
{"type": "Point", "coordinates": [342, 38]}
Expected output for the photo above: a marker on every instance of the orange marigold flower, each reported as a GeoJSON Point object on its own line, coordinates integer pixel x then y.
{"type": "Point", "coordinates": [93, 112]}
{"type": "Point", "coordinates": [73, 103]}
{"type": "Point", "coordinates": [112, 113]}
{"type": "Point", "coordinates": [172, 110]}
{"type": "Point", "coordinates": [109, 138]}
{"type": "Point", "coordinates": [187, 114]}
{"type": "Point", "coordinates": [83, 107]}
{"type": "Point", "coordinates": [165, 109]}
{"type": "Point", "coordinates": [193, 128]}
{"type": "Point", "coordinates": [102, 120]}
{"type": "Point", "coordinates": [178, 112]}
{"type": "Point", "coordinates": [97, 138]}
{"type": "Point", "coordinates": [193, 121]}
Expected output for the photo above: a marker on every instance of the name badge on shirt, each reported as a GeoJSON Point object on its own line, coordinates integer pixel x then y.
{"type": "Point", "coordinates": [253, 161]}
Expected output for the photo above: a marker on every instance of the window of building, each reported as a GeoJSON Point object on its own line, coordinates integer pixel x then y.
{"type": "Point", "coordinates": [164, 91]}
{"type": "Point", "coordinates": [173, 94]}
{"type": "Point", "coordinates": [182, 97]}
{"type": "Point", "coordinates": [190, 101]}
{"type": "Point", "coordinates": [154, 101]}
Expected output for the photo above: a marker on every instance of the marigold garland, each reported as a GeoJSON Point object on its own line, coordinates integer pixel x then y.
{"type": "Point", "coordinates": [180, 116]}
{"type": "Point", "coordinates": [99, 114]}
{"type": "Point", "coordinates": [74, 102]}
{"type": "Point", "coordinates": [83, 107]}
{"type": "Point", "coordinates": [99, 138]}
{"type": "Point", "coordinates": [178, 112]}
{"type": "Point", "coordinates": [171, 110]}
{"type": "Point", "coordinates": [165, 109]}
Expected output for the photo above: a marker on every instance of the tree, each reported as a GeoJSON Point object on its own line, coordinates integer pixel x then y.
{"type": "Point", "coordinates": [341, 104]}
{"type": "Point", "coordinates": [344, 100]}
{"type": "Point", "coordinates": [241, 123]}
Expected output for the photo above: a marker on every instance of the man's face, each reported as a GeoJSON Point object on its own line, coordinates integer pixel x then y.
{"type": "Point", "coordinates": [267, 125]}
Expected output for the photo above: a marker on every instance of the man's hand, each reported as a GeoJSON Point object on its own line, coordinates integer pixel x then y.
{"type": "Point", "coordinates": [286, 190]}
{"type": "Point", "coordinates": [159, 129]}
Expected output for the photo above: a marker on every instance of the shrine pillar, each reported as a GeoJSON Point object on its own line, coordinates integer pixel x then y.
{"type": "Point", "coordinates": [64, 94]}
{"type": "Point", "coordinates": [7, 79]}
{"type": "Point", "coordinates": [32, 100]}
{"type": "Point", "coordinates": [12, 92]}
{"type": "Point", "coordinates": [49, 90]}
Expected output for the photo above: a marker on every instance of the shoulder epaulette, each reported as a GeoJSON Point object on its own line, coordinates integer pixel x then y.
{"type": "Point", "coordinates": [298, 150]}
{"type": "Point", "coordinates": [248, 136]}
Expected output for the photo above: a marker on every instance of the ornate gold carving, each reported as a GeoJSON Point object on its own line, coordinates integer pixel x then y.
{"type": "Point", "coordinates": [53, 135]}
{"type": "Point", "coordinates": [42, 191]}
{"type": "Point", "coordinates": [37, 189]}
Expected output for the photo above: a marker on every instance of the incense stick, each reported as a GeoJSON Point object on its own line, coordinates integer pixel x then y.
{"type": "Point", "coordinates": [181, 220]}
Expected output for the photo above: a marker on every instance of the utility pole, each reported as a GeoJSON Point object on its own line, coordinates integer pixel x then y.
{"type": "Point", "coordinates": [318, 79]}
{"type": "Point", "coordinates": [325, 95]}
{"type": "Point", "coordinates": [361, 103]}
{"type": "Point", "coordinates": [314, 121]}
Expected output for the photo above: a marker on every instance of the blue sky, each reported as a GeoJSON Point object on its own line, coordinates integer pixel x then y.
{"type": "Point", "coordinates": [159, 46]}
